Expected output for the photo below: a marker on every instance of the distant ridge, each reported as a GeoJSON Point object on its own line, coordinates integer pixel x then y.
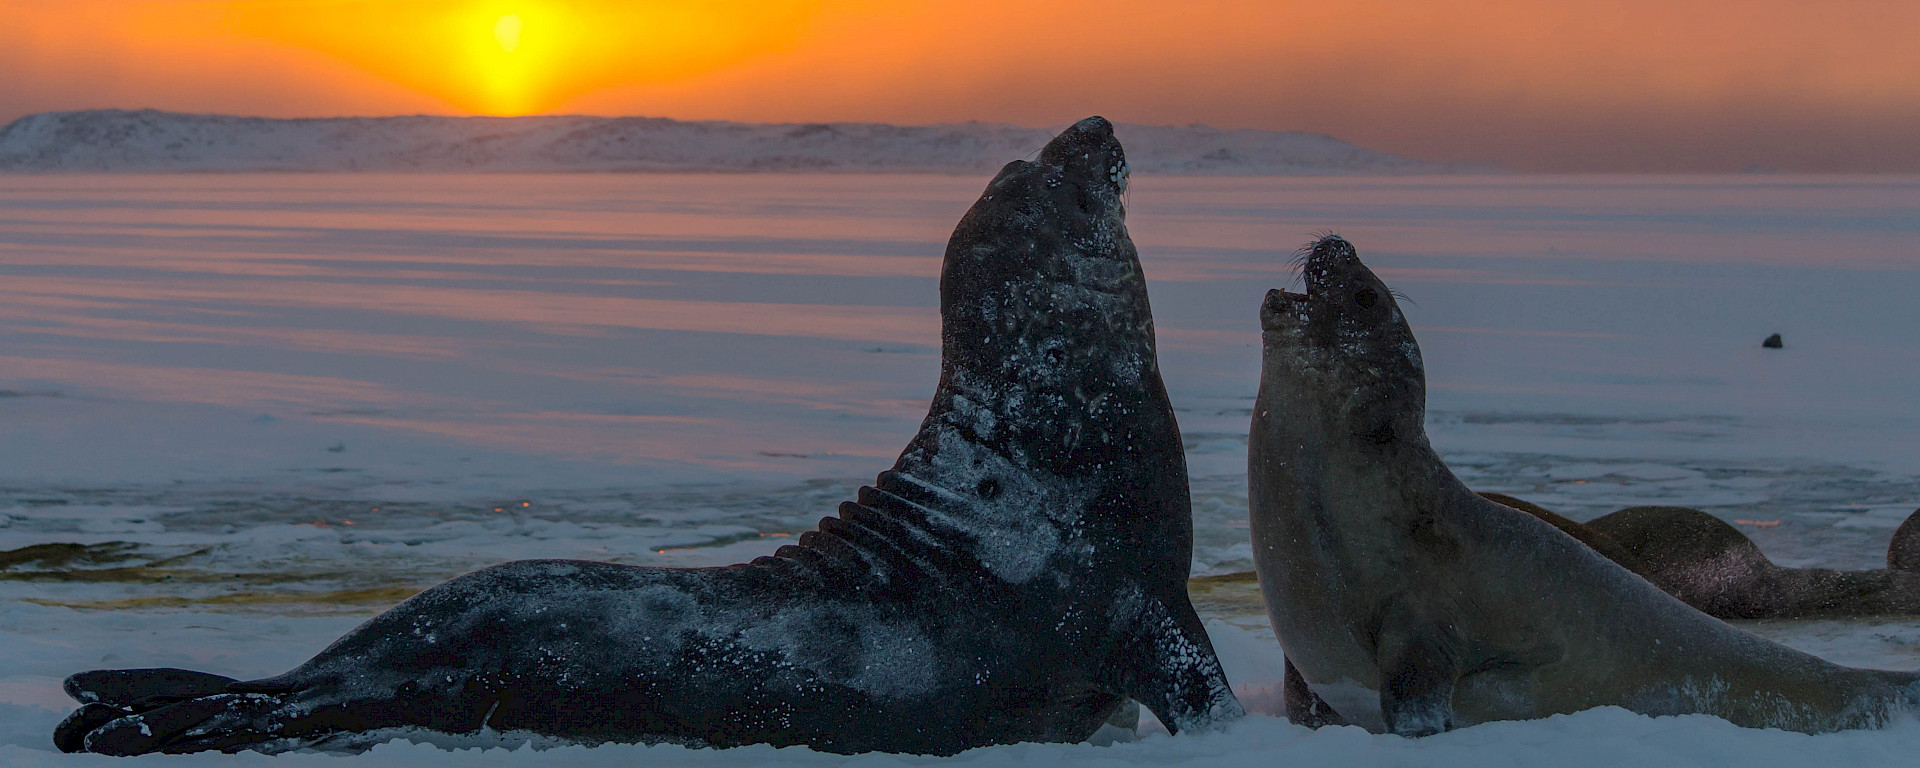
{"type": "Point", "coordinates": [150, 141]}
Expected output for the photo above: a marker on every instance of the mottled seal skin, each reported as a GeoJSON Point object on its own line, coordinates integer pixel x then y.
{"type": "Point", "coordinates": [1017, 575]}
{"type": "Point", "coordinates": [1712, 566]}
{"type": "Point", "coordinates": [1413, 606]}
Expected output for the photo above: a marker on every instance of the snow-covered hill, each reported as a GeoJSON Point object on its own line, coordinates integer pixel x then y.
{"type": "Point", "coordinates": [153, 141]}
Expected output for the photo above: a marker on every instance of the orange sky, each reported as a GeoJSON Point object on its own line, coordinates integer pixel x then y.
{"type": "Point", "coordinates": [1531, 84]}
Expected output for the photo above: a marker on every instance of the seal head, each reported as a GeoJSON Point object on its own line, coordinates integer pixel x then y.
{"type": "Point", "coordinates": [1347, 341]}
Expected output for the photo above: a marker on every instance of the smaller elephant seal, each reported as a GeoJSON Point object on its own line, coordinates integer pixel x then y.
{"type": "Point", "coordinates": [1411, 605]}
{"type": "Point", "coordinates": [1019, 575]}
{"type": "Point", "coordinates": [1712, 566]}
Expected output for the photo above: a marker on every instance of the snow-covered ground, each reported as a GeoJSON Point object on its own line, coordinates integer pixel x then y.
{"type": "Point", "coordinates": [241, 413]}
{"type": "Point", "coordinates": [111, 140]}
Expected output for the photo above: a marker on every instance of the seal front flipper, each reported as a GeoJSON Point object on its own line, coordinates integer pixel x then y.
{"type": "Point", "coordinates": [1419, 665]}
{"type": "Point", "coordinates": [1172, 671]}
{"type": "Point", "coordinates": [1304, 707]}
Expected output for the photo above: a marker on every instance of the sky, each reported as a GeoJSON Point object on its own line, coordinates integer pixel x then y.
{"type": "Point", "coordinates": [1538, 85]}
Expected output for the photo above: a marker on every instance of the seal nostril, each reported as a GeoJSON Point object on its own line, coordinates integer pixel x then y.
{"type": "Point", "coordinates": [1366, 298]}
{"type": "Point", "coordinates": [1083, 200]}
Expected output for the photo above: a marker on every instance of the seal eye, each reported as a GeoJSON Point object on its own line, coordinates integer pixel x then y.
{"type": "Point", "coordinates": [988, 489]}
{"type": "Point", "coordinates": [1365, 298]}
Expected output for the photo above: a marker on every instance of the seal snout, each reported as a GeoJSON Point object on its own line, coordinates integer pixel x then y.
{"type": "Point", "coordinates": [1323, 261]}
{"type": "Point", "coordinates": [1282, 309]}
{"type": "Point", "coordinates": [1095, 125]}
{"type": "Point", "coordinates": [1089, 150]}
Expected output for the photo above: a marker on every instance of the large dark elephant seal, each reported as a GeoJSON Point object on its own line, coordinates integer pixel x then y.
{"type": "Point", "coordinates": [1712, 566]}
{"type": "Point", "coordinates": [1413, 606]}
{"type": "Point", "coordinates": [1018, 575]}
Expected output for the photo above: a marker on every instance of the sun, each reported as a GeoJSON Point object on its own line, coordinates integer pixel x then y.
{"type": "Point", "coordinates": [506, 32]}
{"type": "Point", "coordinates": [512, 56]}
{"type": "Point", "coordinates": [517, 57]}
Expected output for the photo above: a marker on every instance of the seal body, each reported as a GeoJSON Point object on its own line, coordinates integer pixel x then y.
{"type": "Point", "coordinates": [1413, 606]}
{"type": "Point", "coordinates": [1018, 575]}
{"type": "Point", "coordinates": [1712, 566]}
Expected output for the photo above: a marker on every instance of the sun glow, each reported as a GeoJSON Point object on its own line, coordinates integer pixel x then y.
{"type": "Point", "coordinates": [507, 31]}
{"type": "Point", "coordinates": [515, 57]}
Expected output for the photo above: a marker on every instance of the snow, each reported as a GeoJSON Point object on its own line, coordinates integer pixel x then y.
{"type": "Point", "coordinates": [690, 369]}
{"type": "Point", "coordinates": [153, 141]}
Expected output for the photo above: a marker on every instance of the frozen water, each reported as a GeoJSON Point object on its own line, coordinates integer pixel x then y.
{"type": "Point", "coordinates": [112, 140]}
{"type": "Point", "coordinates": [241, 413]}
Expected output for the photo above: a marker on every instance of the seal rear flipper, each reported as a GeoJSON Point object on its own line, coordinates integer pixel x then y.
{"type": "Point", "coordinates": [1304, 707]}
{"type": "Point", "coordinates": [71, 734]}
{"type": "Point", "coordinates": [230, 719]}
{"type": "Point", "coordinates": [143, 689]}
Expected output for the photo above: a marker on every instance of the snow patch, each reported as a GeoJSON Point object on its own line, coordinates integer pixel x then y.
{"type": "Point", "coordinates": [148, 141]}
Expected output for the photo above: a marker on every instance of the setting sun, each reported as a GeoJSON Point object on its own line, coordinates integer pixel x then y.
{"type": "Point", "coordinates": [516, 57]}
{"type": "Point", "coordinates": [507, 31]}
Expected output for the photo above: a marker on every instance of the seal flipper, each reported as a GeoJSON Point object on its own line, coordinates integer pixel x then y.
{"type": "Point", "coordinates": [185, 726]}
{"type": "Point", "coordinates": [1419, 666]}
{"type": "Point", "coordinates": [1172, 671]}
{"type": "Point", "coordinates": [71, 734]}
{"type": "Point", "coordinates": [108, 695]}
{"type": "Point", "coordinates": [1304, 707]}
{"type": "Point", "coordinates": [143, 689]}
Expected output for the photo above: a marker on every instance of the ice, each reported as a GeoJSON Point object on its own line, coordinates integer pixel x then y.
{"type": "Point", "coordinates": [1594, 739]}
{"type": "Point", "coordinates": [688, 370]}
{"type": "Point", "coordinates": [1884, 517]}
{"type": "Point", "coordinates": [151, 141]}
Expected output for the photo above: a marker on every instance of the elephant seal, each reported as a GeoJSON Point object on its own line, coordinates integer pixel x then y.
{"type": "Point", "coordinates": [1018, 575]}
{"type": "Point", "coordinates": [1413, 606]}
{"type": "Point", "coordinates": [1712, 566]}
